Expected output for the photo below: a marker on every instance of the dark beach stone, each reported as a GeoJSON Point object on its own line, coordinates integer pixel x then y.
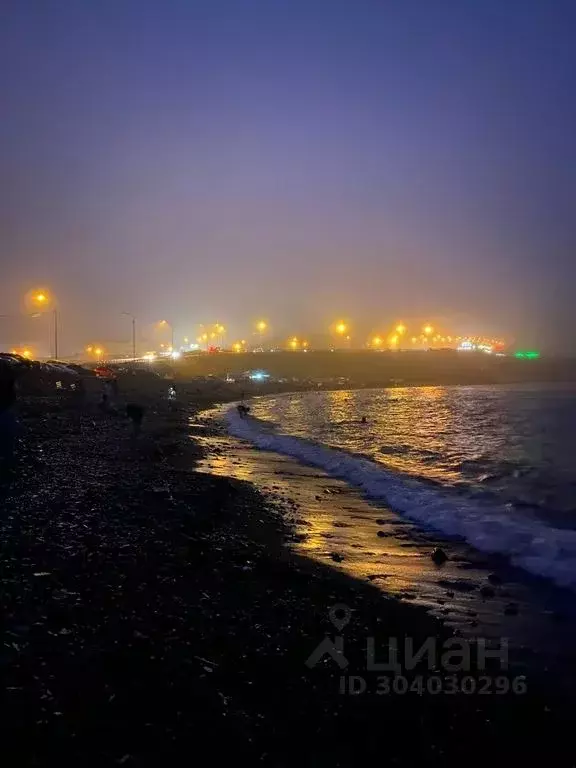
{"type": "Point", "coordinates": [486, 591]}
{"type": "Point", "coordinates": [439, 556]}
{"type": "Point", "coordinates": [336, 557]}
{"type": "Point", "coordinates": [493, 578]}
{"type": "Point", "coordinates": [511, 609]}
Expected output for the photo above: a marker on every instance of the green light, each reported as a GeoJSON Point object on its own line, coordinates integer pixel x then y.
{"type": "Point", "coordinates": [530, 355]}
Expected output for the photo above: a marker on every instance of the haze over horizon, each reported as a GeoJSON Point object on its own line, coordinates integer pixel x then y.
{"type": "Point", "coordinates": [300, 161]}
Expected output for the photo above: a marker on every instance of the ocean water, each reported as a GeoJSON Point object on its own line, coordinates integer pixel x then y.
{"type": "Point", "coordinates": [491, 465]}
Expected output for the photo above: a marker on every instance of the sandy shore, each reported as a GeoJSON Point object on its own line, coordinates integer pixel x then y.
{"type": "Point", "coordinates": [152, 613]}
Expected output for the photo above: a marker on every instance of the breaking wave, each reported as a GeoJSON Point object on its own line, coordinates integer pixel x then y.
{"type": "Point", "coordinates": [529, 543]}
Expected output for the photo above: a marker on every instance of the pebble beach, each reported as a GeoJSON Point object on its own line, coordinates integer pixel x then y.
{"type": "Point", "coordinates": [153, 613]}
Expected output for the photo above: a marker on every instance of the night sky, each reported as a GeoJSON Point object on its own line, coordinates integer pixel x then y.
{"type": "Point", "coordinates": [298, 160]}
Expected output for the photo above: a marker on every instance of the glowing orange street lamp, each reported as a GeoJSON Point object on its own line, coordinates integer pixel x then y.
{"type": "Point", "coordinates": [220, 331]}
{"type": "Point", "coordinates": [261, 327]}
{"type": "Point", "coordinates": [428, 330]}
{"type": "Point", "coordinates": [400, 329]}
{"type": "Point", "coordinates": [166, 324]}
{"type": "Point", "coordinates": [42, 299]}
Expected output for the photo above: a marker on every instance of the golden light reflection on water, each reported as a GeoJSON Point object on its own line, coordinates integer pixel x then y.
{"type": "Point", "coordinates": [424, 431]}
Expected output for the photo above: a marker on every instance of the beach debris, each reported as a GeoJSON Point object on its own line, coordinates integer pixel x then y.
{"type": "Point", "coordinates": [494, 579]}
{"type": "Point", "coordinates": [336, 557]}
{"type": "Point", "coordinates": [438, 556]}
{"type": "Point", "coordinates": [487, 591]}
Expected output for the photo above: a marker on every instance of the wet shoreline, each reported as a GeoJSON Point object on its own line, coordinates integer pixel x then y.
{"type": "Point", "coordinates": [475, 594]}
{"type": "Point", "coordinates": [152, 613]}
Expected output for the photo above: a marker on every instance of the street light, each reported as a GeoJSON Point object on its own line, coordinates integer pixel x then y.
{"type": "Point", "coordinates": [341, 328]}
{"type": "Point", "coordinates": [261, 327]}
{"type": "Point", "coordinates": [166, 324]}
{"type": "Point", "coordinates": [428, 330]}
{"type": "Point", "coordinates": [220, 330]}
{"type": "Point", "coordinates": [129, 314]}
{"type": "Point", "coordinates": [42, 299]}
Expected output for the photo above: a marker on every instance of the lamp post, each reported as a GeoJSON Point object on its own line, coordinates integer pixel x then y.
{"type": "Point", "coordinates": [42, 299]}
{"type": "Point", "coordinates": [261, 327]}
{"type": "Point", "coordinates": [220, 330]}
{"type": "Point", "coordinates": [55, 313]}
{"type": "Point", "coordinates": [169, 325]}
{"type": "Point", "coordinates": [341, 330]}
{"type": "Point", "coordinates": [129, 314]}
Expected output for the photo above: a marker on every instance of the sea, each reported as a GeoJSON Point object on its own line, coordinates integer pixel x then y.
{"type": "Point", "coordinates": [492, 465]}
{"type": "Point", "coordinates": [374, 480]}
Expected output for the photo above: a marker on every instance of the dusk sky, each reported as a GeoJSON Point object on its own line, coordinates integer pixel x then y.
{"type": "Point", "coordinates": [298, 160]}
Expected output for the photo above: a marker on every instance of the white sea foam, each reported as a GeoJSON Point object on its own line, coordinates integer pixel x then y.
{"type": "Point", "coordinates": [529, 543]}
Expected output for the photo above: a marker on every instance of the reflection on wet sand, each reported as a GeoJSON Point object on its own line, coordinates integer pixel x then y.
{"type": "Point", "coordinates": [334, 525]}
